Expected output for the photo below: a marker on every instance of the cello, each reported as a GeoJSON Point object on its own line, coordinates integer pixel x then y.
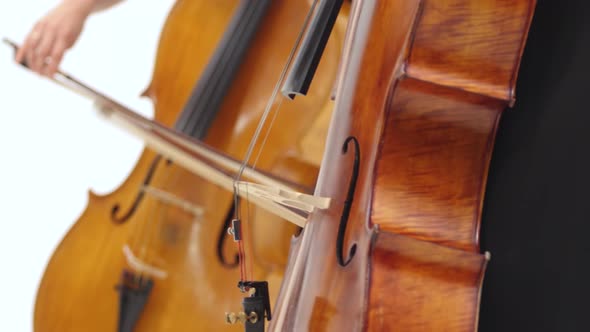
{"type": "Point", "coordinates": [424, 84]}
{"type": "Point", "coordinates": [422, 87]}
{"type": "Point", "coordinates": [153, 255]}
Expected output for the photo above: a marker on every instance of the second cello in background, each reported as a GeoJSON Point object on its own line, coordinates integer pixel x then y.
{"type": "Point", "coordinates": [152, 255]}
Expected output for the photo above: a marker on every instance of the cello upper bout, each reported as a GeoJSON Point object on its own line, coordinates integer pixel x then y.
{"type": "Point", "coordinates": [474, 46]}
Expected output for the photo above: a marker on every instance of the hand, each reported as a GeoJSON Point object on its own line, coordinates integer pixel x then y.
{"type": "Point", "coordinates": [52, 35]}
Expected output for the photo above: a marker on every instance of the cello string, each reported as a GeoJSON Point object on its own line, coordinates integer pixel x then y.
{"type": "Point", "coordinates": [156, 217]}
{"type": "Point", "coordinates": [247, 227]}
{"type": "Point", "coordinates": [198, 128]}
{"type": "Point", "coordinates": [193, 126]}
{"type": "Point", "coordinates": [262, 122]}
{"type": "Point", "coordinates": [143, 232]}
{"type": "Point", "coordinates": [171, 183]}
{"type": "Point", "coordinates": [269, 106]}
{"type": "Point", "coordinates": [146, 227]}
{"type": "Point", "coordinates": [243, 272]}
{"type": "Point", "coordinates": [253, 167]}
{"type": "Point", "coordinates": [264, 140]}
{"type": "Point", "coordinates": [272, 121]}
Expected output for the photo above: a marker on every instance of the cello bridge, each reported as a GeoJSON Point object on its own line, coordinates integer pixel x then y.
{"type": "Point", "coordinates": [174, 200]}
{"type": "Point", "coordinates": [141, 267]}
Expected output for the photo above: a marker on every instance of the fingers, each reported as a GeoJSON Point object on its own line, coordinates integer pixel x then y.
{"type": "Point", "coordinates": [44, 48]}
{"type": "Point", "coordinates": [55, 57]}
{"type": "Point", "coordinates": [30, 43]}
{"type": "Point", "coordinates": [42, 51]}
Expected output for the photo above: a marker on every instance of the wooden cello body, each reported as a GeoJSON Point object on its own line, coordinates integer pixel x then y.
{"type": "Point", "coordinates": [152, 255]}
{"type": "Point", "coordinates": [423, 86]}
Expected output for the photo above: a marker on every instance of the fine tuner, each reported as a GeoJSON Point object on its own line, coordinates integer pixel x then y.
{"type": "Point", "coordinates": [241, 317]}
{"type": "Point", "coordinates": [256, 306]}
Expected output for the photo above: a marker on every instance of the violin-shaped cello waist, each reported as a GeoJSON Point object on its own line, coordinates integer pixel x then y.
{"type": "Point", "coordinates": [421, 91]}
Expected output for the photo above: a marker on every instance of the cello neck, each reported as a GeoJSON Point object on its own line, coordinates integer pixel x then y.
{"type": "Point", "coordinates": [209, 92]}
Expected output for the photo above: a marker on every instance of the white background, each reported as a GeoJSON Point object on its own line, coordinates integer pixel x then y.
{"type": "Point", "coordinates": [53, 147]}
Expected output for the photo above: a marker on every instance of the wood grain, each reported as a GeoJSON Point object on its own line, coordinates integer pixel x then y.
{"type": "Point", "coordinates": [426, 287]}
{"type": "Point", "coordinates": [77, 292]}
{"type": "Point", "coordinates": [473, 46]}
{"type": "Point", "coordinates": [431, 177]}
{"type": "Point", "coordinates": [423, 89]}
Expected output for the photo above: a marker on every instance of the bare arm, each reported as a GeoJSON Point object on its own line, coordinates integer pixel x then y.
{"type": "Point", "coordinates": [56, 32]}
{"type": "Point", "coordinates": [104, 4]}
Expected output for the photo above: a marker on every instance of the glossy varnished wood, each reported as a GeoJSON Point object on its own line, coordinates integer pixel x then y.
{"type": "Point", "coordinates": [427, 287]}
{"type": "Point", "coordinates": [447, 134]}
{"type": "Point", "coordinates": [459, 77]}
{"type": "Point", "coordinates": [443, 140]}
{"type": "Point", "coordinates": [318, 294]}
{"type": "Point", "coordinates": [444, 137]}
{"type": "Point", "coordinates": [77, 290]}
{"type": "Point", "coordinates": [423, 90]}
{"type": "Point", "coordinates": [474, 46]}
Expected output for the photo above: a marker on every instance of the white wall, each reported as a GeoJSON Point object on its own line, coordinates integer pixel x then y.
{"type": "Point", "coordinates": [53, 147]}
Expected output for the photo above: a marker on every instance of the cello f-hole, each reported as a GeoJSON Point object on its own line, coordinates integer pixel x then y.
{"type": "Point", "coordinates": [348, 204]}
{"type": "Point", "coordinates": [117, 207]}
